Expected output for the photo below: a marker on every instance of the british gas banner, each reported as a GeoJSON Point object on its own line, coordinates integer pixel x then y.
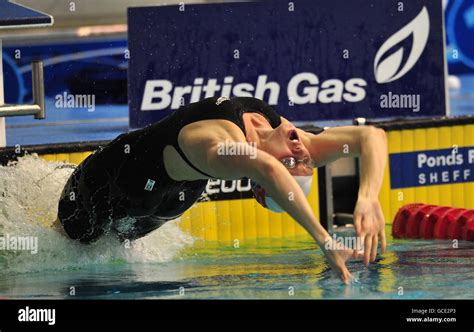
{"type": "Point", "coordinates": [310, 59]}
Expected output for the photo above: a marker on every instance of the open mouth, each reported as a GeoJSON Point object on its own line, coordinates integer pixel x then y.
{"type": "Point", "coordinates": [293, 136]}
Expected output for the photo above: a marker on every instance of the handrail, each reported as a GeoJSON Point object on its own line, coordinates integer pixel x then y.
{"type": "Point", "coordinates": [37, 108]}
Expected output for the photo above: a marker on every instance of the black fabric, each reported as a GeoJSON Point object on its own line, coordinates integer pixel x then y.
{"type": "Point", "coordinates": [231, 110]}
{"type": "Point", "coordinates": [111, 184]}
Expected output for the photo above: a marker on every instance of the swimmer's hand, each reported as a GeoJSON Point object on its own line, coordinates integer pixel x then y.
{"type": "Point", "coordinates": [337, 259]}
{"type": "Point", "coordinates": [369, 224]}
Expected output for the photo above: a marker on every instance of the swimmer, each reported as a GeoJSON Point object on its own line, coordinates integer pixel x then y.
{"type": "Point", "coordinates": [154, 174]}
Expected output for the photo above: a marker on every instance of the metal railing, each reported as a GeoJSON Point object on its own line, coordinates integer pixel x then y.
{"type": "Point", "coordinates": [37, 108]}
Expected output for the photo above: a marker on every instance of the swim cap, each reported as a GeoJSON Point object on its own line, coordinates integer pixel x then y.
{"type": "Point", "coordinates": [267, 202]}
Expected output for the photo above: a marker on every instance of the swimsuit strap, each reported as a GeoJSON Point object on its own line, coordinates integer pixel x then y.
{"type": "Point", "coordinates": [181, 153]}
{"type": "Point", "coordinates": [219, 108]}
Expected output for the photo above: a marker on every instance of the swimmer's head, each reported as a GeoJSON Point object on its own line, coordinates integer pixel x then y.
{"type": "Point", "coordinates": [302, 171]}
{"type": "Point", "coordinates": [267, 202]}
{"type": "Point", "coordinates": [286, 145]}
{"type": "Point", "coordinates": [282, 142]}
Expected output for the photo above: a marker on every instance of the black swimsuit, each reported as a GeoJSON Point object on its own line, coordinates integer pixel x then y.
{"type": "Point", "coordinates": [124, 187]}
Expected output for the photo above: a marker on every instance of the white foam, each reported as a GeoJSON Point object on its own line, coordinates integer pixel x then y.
{"type": "Point", "coordinates": [29, 193]}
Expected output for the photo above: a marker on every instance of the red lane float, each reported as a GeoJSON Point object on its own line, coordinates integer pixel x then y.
{"type": "Point", "coordinates": [468, 231]}
{"type": "Point", "coordinates": [414, 221]}
{"type": "Point", "coordinates": [455, 229]}
{"type": "Point", "coordinates": [448, 218]}
{"type": "Point", "coordinates": [430, 220]}
{"type": "Point", "coordinates": [401, 219]}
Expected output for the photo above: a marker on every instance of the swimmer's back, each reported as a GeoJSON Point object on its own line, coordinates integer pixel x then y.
{"type": "Point", "coordinates": [127, 177]}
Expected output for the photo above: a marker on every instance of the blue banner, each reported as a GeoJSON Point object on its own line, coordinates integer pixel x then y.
{"type": "Point", "coordinates": [311, 60]}
{"type": "Point", "coordinates": [431, 167]}
{"type": "Point", "coordinates": [94, 66]}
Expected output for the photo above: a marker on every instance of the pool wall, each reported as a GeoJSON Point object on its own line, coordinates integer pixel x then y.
{"type": "Point", "coordinates": [429, 161]}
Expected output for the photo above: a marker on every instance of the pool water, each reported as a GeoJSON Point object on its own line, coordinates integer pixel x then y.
{"type": "Point", "coordinates": [284, 270]}
{"type": "Point", "coordinates": [171, 264]}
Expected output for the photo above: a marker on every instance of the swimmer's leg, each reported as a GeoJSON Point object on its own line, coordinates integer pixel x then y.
{"type": "Point", "coordinates": [138, 228]}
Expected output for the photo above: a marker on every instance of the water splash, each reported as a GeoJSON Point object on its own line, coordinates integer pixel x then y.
{"type": "Point", "coordinates": [29, 194]}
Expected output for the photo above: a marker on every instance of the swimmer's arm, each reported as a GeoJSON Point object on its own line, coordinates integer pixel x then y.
{"type": "Point", "coordinates": [264, 169]}
{"type": "Point", "coordinates": [370, 144]}
{"type": "Point", "coordinates": [340, 142]}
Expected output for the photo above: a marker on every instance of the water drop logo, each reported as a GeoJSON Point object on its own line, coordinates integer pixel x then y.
{"type": "Point", "coordinates": [390, 68]}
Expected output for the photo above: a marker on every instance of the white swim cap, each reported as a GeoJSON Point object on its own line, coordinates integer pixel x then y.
{"type": "Point", "coordinates": [267, 202]}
